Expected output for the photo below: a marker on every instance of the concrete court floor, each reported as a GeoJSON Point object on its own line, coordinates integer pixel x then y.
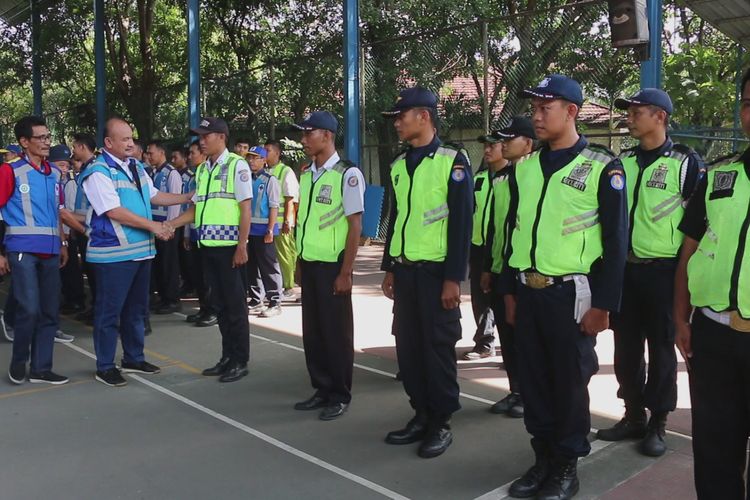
{"type": "Point", "coordinates": [178, 435]}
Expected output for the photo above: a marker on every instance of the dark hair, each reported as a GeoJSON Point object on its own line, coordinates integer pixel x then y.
{"type": "Point", "coordinates": [86, 140]}
{"type": "Point", "coordinates": [25, 126]}
{"type": "Point", "coordinates": [241, 141]}
{"type": "Point", "coordinates": [182, 151]}
{"type": "Point", "coordinates": [745, 81]}
{"type": "Point", "coordinates": [159, 145]}
{"type": "Point", "coordinates": [139, 143]}
{"type": "Point", "coordinates": [433, 116]}
{"type": "Point", "coordinates": [196, 144]}
{"type": "Point", "coordinates": [275, 143]}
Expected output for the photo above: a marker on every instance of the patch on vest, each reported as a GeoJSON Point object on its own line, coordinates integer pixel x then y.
{"type": "Point", "coordinates": [353, 181]}
{"type": "Point", "coordinates": [458, 174]}
{"type": "Point", "coordinates": [723, 185]}
{"type": "Point", "coordinates": [578, 176]}
{"type": "Point", "coordinates": [617, 182]}
{"type": "Point", "coordinates": [658, 178]}
{"type": "Point", "coordinates": [324, 196]}
{"type": "Point", "coordinates": [24, 188]}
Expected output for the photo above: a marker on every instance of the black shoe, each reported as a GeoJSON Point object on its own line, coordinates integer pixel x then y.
{"type": "Point", "coordinates": [563, 481]}
{"type": "Point", "coordinates": [194, 318]}
{"type": "Point", "coordinates": [111, 377]}
{"type": "Point", "coordinates": [234, 373]}
{"type": "Point", "coordinates": [653, 444]}
{"type": "Point", "coordinates": [414, 431]}
{"type": "Point", "coordinates": [313, 403]}
{"type": "Point", "coordinates": [333, 411]}
{"type": "Point", "coordinates": [632, 426]}
{"type": "Point", "coordinates": [17, 373]}
{"type": "Point", "coordinates": [505, 404]}
{"type": "Point", "coordinates": [437, 440]}
{"type": "Point", "coordinates": [47, 377]}
{"type": "Point", "coordinates": [169, 308]}
{"type": "Point", "coordinates": [531, 482]}
{"type": "Point", "coordinates": [86, 316]}
{"type": "Point", "coordinates": [516, 410]}
{"type": "Point", "coordinates": [208, 320]}
{"type": "Point", "coordinates": [218, 369]}
{"type": "Point", "coordinates": [142, 367]}
{"type": "Point", "coordinates": [68, 309]}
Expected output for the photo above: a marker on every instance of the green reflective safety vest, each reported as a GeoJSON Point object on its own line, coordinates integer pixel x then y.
{"type": "Point", "coordinates": [482, 196]}
{"type": "Point", "coordinates": [420, 232]}
{"type": "Point", "coordinates": [322, 227]}
{"type": "Point", "coordinates": [280, 171]}
{"type": "Point", "coordinates": [217, 213]}
{"type": "Point", "coordinates": [655, 204]}
{"type": "Point", "coordinates": [719, 271]}
{"type": "Point", "coordinates": [500, 206]}
{"type": "Point", "coordinates": [557, 229]}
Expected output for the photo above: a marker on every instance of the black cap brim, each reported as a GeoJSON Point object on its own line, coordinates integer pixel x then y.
{"type": "Point", "coordinates": [624, 104]}
{"type": "Point", "coordinates": [488, 139]}
{"type": "Point", "coordinates": [200, 131]}
{"type": "Point", "coordinates": [531, 93]}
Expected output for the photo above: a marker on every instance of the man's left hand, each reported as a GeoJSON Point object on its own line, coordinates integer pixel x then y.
{"type": "Point", "coordinates": [451, 296]}
{"type": "Point", "coordinates": [240, 256]}
{"type": "Point", "coordinates": [594, 321]}
{"type": "Point", "coordinates": [343, 284]}
{"type": "Point", "coordinates": [63, 256]}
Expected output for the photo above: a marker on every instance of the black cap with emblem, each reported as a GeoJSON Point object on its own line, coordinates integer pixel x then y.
{"type": "Point", "coordinates": [211, 125]}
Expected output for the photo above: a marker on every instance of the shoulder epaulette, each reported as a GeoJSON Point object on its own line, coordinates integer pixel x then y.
{"type": "Point", "coordinates": [627, 153]}
{"type": "Point", "coordinates": [459, 148]}
{"type": "Point", "coordinates": [343, 165]}
{"type": "Point", "coordinates": [597, 152]}
{"type": "Point", "coordinates": [681, 151]}
{"type": "Point", "coordinates": [724, 160]}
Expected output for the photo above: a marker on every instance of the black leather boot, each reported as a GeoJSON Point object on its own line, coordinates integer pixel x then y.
{"type": "Point", "coordinates": [653, 444]}
{"type": "Point", "coordinates": [562, 483]}
{"type": "Point", "coordinates": [531, 482]}
{"type": "Point", "coordinates": [632, 426]}
{"type": "Point", "coordinates": [438, 438]}
{"type": "Point", "coordinates": [414, 431]}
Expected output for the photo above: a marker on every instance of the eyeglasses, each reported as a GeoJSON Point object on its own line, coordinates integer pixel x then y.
{"type": "Point", "coordinates": [43, 138]}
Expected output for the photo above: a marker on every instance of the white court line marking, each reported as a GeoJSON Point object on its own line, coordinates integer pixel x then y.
{"type": "Point", "coordinates": [256, 433]}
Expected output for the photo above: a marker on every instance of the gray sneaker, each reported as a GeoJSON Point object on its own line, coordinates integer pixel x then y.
{"type": "Point", "coordinates": [257, 309]}
{"type": "Point", "coordinates": [7, 331]}
{"type": "Point", "coordinates": [63, 338]}
{"type": "Point", "coordinates": [270, 312]}
{"type": "Point", "coordinates": [288, 295]}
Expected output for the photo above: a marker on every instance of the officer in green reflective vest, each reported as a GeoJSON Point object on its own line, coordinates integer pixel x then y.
{"type": "Point", "coordinates": [425, 259]}
{"type": "Point", "coordinates": [661, 176]}
{"type": "Point", "coordinates": [484, 337]}
{"type": "Point", "coordinates": [332, 195]}
{"type": "Point", "coordinates": [712, 318]}
{"type": "Point", "coordinates": [566, 257]}
{"type": "Point", "coordinates": [517, 142]}
{"type": "Point", "coordinates": [221, 214]}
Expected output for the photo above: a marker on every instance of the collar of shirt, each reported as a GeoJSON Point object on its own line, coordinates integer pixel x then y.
{"type": "Point", "coordinates": [219, 161]}
{"type": "Point", "coordinates": [162, 166]}
{"type": "Point", "coordinates": [414, 156]}
{"type": "Point", "coordinates": [43, 168]}
{"type": "Point", "coordinates": [552, 161]}
{"type": "Point", "coordinates": [505, 171]}
{"type": "Point", "coordinates": [647, 157]}
{"type": "Point", "coordinates": [122, 163]}
{"type": "Point", "coordinates": [328, 165]}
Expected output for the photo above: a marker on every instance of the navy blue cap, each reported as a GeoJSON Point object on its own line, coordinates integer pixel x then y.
{"type": "Point", "coordinates": [61, 152]}
{"type": "Point", "coordinates": [12, 148]}
{"type": "Point", "coordinates": [211, 125]}
{"type": "Point", "coordinates": [556, 87]}
{"type": "Point", "coordinates": [318, 120]}
{"type": "Point", "coordinates": [647, 97]}
{"type": "Point", "coordinates": [414, 97]}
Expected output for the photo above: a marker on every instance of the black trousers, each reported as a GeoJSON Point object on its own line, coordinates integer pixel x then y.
{"type": "Point", "coordinates": [263, 272]}
{"type": "Point", "coordinates": [720, 397]}
{"type": "Point", "coordinates": [88, 269]}
{"type": "Point", "coordinates": [229, 301]}
{"type": "Point", "coordinates": [481, 303]}
{"type": "Point", "coordinates": [556, 362]}
{"type": "Point", "coordinates": [327, 332]}
{"type": "Point", "coordinates": [167, 271]}
{"type": "Point", "coordinates": [507, 336]}
{"type": "Point", "coordinates": [426, 336]}
{"type": "Point", "coordinates": [186, 271]}
{"type": "Point", "coordinates": [71, 276]}
{"type": "Point", "coordinates": [646, 316]}
{"type": "Point", "coordinates": [198, 277]}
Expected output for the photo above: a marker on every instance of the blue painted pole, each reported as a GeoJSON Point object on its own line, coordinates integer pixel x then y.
{"type": "Point", "coordinates": [194, 61]}
{"type": "Point", "coordinates": [100, 72]}
{"type": "Point", "coordinates": [351, 81]}
{"type": "Point", "coordinates": [736, 133]}
{"type": "Point", "coordinates": [36, 70]}
{"type": "Point", "coordinates": [651, 69]}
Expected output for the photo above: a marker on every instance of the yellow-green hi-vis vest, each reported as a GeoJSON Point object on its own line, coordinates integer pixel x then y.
{"type": "Point", "coordinates": [500, 207]}
{"type": "Point", "coordinates": [719, 271]}
{"type": "Point", "coordinates": [420, 232]}
{"type": "Point", "coordinates": [655, 203]}
{"type": "Point", "coordinates": [217, 213]}
{"type": "Point", "coordinates": [557, 229]}
{"type": "Point", "coordinates": [482, 196]}
{"type": "Point", "coordinates": [322, 227]}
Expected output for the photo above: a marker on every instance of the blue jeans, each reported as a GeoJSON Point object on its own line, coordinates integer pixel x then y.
{"type": "Point", "coordinates": [9, 311]}
{"type": "Point", "coordinates": [36, 288]}
{"type": "Point", "coordinates": [121, 307]}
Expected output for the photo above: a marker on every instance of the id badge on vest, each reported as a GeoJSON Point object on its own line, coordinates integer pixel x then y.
{"type": "Point", "coordinates": [324, 195]}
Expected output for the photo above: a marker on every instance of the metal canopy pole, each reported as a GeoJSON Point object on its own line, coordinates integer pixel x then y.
{"type": "Point", "coordinates": [351, 81]}
{"type": "Point", "coordinates": [194, 44]}
{"type": "Point", "coordinates": [100, 71]}
{"type": "Point", "coordinates": [36, 71]}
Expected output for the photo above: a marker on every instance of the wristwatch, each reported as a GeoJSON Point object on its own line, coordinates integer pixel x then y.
{"type": "Point", "coordinates": [64, 243]}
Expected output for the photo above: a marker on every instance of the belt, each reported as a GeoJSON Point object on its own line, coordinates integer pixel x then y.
{"type": "Point", "coordinates": [732, 319]}
{"type": "Point", "coordinates": [634, 259]}
{"type": "Point", "coordinates": [538, 281]}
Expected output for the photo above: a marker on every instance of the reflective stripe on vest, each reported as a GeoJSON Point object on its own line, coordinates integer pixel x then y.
{"type": "Point", "coordinates": [217, 212]}
{"type": "Point", "coordinates": [719, 271]}
{"type": "Point", "coordinates": [482, 195]}
{"type": "Point", "coordinates": [161, 182]}
{"type": "Point", "coordinates": [322, 227]}
{"type": "Point", "coordinates": [655, 204]}
{"type": "Point", "coordinates": [557, 229]}
{"type": "Point", "coordinates": [420, 232]}
{"type": "Point", "coordinates": [500, 206]}
{"type": "Point", "coordinates": [280, 171]}
{"type": "Point", "coordinates": [260, 198]}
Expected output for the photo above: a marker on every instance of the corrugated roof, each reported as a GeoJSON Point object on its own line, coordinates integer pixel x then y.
{"type": "Point", "coordinates": [731, 17]}
{"type": "Point", "coordinates": [14, 11]}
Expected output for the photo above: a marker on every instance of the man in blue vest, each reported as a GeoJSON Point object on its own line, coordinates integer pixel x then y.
{"type": "Point", "coordinates": [263, 264]}
{"type": "Point", "coordinates": [179, 162]}
{"type": "Point", "coordinates": [29, 202]}
{"type": "Point", "coordinates": [166, 263]}
{"type": "Point", "coordinates": [121, 247]}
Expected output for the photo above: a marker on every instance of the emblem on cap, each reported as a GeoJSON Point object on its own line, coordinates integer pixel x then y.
{"type": "Point", "coordinates": [544, 83]}
{"type": "Point", "coordinates": [205, 123]}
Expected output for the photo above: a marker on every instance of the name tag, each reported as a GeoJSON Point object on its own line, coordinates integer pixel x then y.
{"type": "Point", "coordinates": [578, 176]}
{"type": "Point", "coordinates": [324, 195]}
{"type": "Point", "coordinates": [723, 186]}
{"type": "Point", "coordinates": [658, 178]}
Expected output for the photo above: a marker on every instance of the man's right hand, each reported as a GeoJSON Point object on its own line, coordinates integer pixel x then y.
{"type": "Point", "coordinates": [683, 340]}
{"type": "Point", "coordinates": [387, 285]}
{"type": "Point", "coordinates": [4, 266]}
{"type": "Point", "coordinates": [186, 243]}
